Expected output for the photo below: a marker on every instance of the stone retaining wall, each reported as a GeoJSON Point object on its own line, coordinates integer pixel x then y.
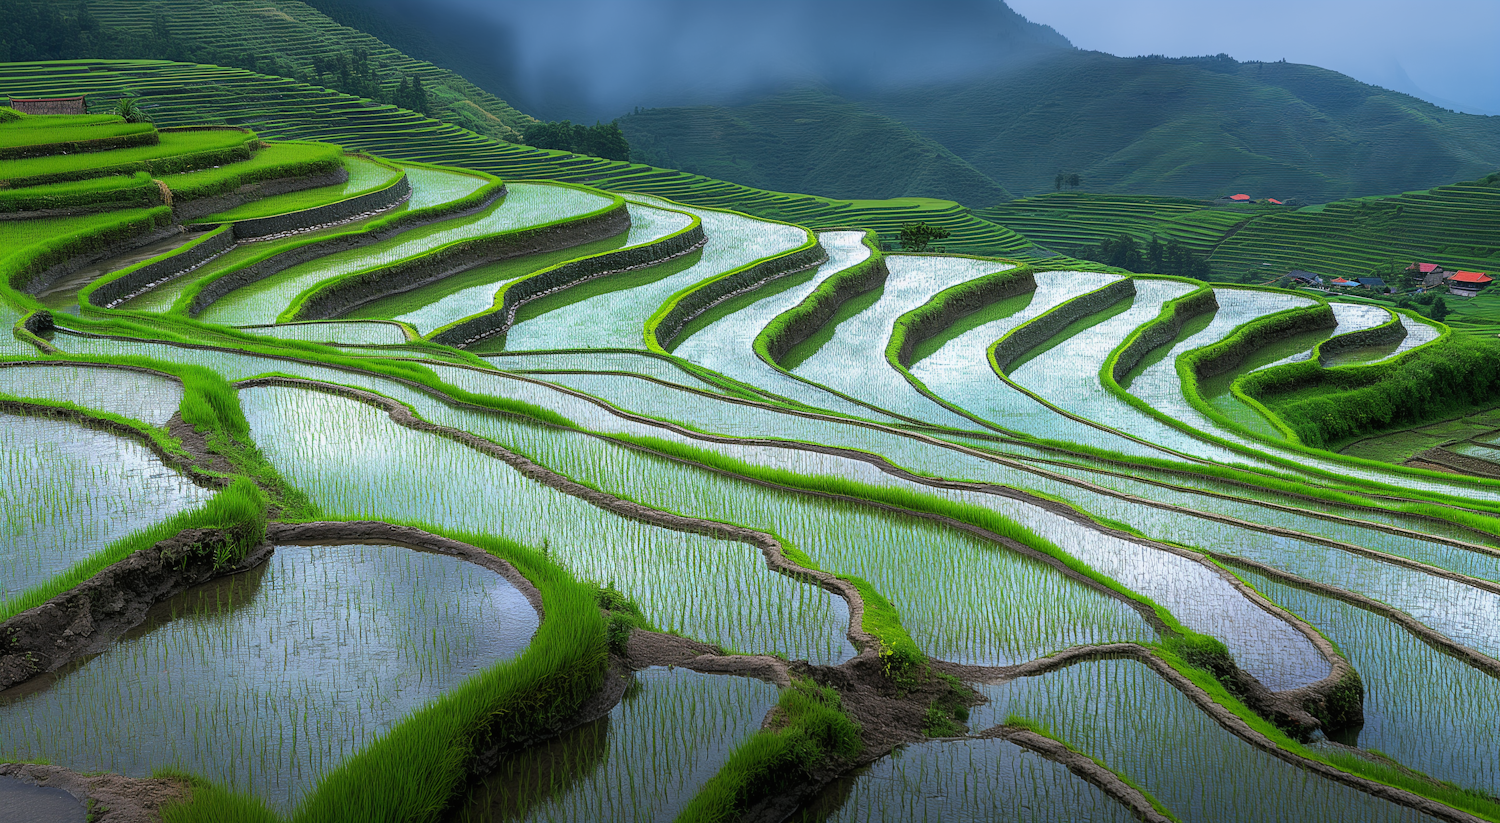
{"type": "Point", "coordinates": [132, 282]}
{"type": "Point", "coordinates": [186, 210]}
{"type": "Point", "coordinates": [333, 213]}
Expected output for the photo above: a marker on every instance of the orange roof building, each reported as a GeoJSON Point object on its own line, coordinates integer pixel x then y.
{"type": "Point", "coordinates": [1470, 277]}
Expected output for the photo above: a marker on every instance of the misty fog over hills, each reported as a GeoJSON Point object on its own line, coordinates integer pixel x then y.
{"type": "Point", "coordinates": [956, 99]}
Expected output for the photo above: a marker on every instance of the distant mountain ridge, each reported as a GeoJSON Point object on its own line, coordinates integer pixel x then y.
{"type": "Point", "coordinates": [1198, 128]}
{"type": "Point", "coordinates": [956, 99]}
{"type": "Point", "coordinates": [802, 141]}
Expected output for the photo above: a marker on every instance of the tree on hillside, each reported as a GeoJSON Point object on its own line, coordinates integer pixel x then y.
{"type": "Point", "coordinates": [1439, 309]}
{"type": "Point", "coordinates": [917, 236]}
{"type": "Point", "coordinates": [599, 140]}
{"type": "Point", "coordinates": [1072, 181]}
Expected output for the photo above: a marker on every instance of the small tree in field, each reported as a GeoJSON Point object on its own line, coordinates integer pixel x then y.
{"type": "Point", "coordinates": [916, 236]}
{"type": "Point", "coordinates": [130, 109]}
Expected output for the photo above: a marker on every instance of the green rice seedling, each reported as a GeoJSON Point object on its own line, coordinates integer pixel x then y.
{"type": "Point", "coordinates": [1425, 709]}
{"type": "Point", "coordinates": [265, 681]}
{"type": "Point", "coordinates": [1263, 645]}
{"type": "Point", "coordinates": [525, 206]}
{"type": "Point", "coordinates": [617, 319]}
{"type": "Point", "coordinates": [150, 398]}
{"type": "Point", "coordinates": [343, 332]}
{"type": "Point", "coordinates": [966, 780]}
{"type": "Point", "coordinates": [672, 733]}
{"type": "Point", "coordinates": [348, 459]}
{"type": "Point", "coordinates": [71, 491]}
{"type": "Point", "coordinates": [1122, 713]}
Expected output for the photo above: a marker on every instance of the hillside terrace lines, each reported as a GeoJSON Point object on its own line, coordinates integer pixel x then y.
{"type": "Point", "coordinates": [618, 318]}
{"type": "Point", "coordinates": [525, 207]}
{"type": "Point", "coordinates": [860, 340]}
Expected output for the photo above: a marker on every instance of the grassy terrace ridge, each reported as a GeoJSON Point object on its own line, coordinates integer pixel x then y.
{"type": "Point", "coordinates": [1066, 221]}
{"type": "Point", "coordinates": [177, 151]}
{"type": "Point", "coordinates": [365, 175]}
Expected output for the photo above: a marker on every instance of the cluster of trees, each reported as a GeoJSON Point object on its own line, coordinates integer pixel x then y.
{"type": "Point", "coordinates": [918, 236]}
{"type": "Point", "coordinates": [353, 73]}
{"type": "Point", "coordinates": [1072, 181]}
{"type": "Point", "coordinates": [39, 30]}
{"type": "Point", "coordinates": [1126, 252]}
{"type": "Point", "coordinates": [599, 140]}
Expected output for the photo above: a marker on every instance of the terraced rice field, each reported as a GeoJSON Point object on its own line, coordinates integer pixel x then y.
{"type": "Point", "coordinates": [771, 526]}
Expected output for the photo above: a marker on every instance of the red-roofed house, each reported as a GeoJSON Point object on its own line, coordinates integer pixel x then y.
{"type": "Point", "coordinates": [1240, 198]}
{"type": "Point", "coordinates": [1467, 283]}
{"type": "Point", "coordinates": [1275, 201]}
{"type": "Point", "coordinates": [1339, 281]}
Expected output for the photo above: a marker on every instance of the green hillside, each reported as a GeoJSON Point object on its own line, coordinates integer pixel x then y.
{"type": "Point", "coordinates": [1456, 226]}
{"type": "Point", "coordinates": [185, 94]}
{"type": "Point", "coordinates": [1065, 221]}
{"type": "Point", "coordinates": [806, 141]}
{"type": "Point", "coordinates": [1199, 128]}
{"type": "Point", "coordinates": [295, 40]}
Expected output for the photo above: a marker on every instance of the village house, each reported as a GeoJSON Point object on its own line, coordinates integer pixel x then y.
{"type": "Point", "coordinates": [1467, 283]}
{"type": "Point", "coordinates": [1376, 284]}
{"type": "Point", "coordinates": [1432, 274]}
{"type": "Point", "coordinates": [49, 105]}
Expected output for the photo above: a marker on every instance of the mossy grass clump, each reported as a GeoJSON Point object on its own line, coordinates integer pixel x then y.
{"type": "Point", "coordinates": [809, 735]}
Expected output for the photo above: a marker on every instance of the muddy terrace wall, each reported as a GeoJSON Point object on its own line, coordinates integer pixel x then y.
{"type": "Point", "coordinates": [1033, 334]}
{"type": "Point", "coordinates": [563, 276]}
{"type": "Point", "coordinates": [265, 268]}
{"type": "Point", "coordinates": [346, 293]}
{"type": "Point", "coordinates": [813, 313]}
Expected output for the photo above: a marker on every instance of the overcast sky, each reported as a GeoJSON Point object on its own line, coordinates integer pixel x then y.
{"type": "Point", "coordinates": [1444, 51]}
